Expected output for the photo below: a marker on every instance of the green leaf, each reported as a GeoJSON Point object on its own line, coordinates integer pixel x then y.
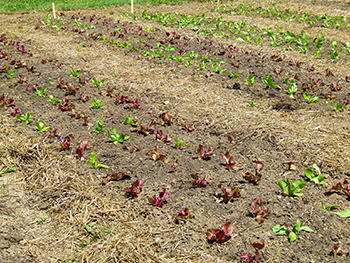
{"type": "Point", "coordinates": [296, 227]}
{"type": "Point", "coordinates": [307, 229]}
{"type": "Point", "coordinates": [345, 213]}
{"type": "Point", "coordinates": [329, 207]}
{"type": "Point", "coordinates": [309, 173]}
{"type": "Point", "coordinates": [297, 185]}
{"type": "Point", "coordinates": [111, 229]}
{"type": "Point", "coordinates": [284, 186]}
{"type": "Point", "coordinates": [280, 230]}
{"type": "Point", "coordinates": [8, 170]}
{"type": "Point", "coordinates": [292, 236]}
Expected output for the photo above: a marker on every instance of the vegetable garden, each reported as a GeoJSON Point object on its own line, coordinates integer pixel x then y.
{"type": "Point", "coordinates": [195, 132]}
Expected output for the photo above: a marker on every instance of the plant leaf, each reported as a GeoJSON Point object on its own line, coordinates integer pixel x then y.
{"type": "Point", "coordinates": [296, 227]}
{"type": "Point", "coordinates": [307, 229]}
{"type": "Point", "coordinates": [345, 213]}
{"type": "Point", "coordinates": [280, 230]}
{"type": "Point", "coordinates": [292, 236]}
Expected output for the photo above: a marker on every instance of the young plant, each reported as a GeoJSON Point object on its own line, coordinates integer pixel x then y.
{"type": "Point", "coordinates": [41, 92]}
{"type": "Point", "coordinates": [336, 250]}
{"type": "Point", "coordinates": [316, 179]}
{"type": "Point", "coordinates": [10, 74]}
{"type": "Point", "coordinates": [345, 187]}
{"type": "Point", "coordinates": [221, 234]}
{"type": "Point", "coordinates": [94, 163]}
{"type": "Point", "coordinates": [117, 137]}
{"type": "Point", "coordinates": [217, 67]}
{"type": "Point", "coordinates": [159, 201]}
{"type": "Point", "coordinates": [292, 189]}
{"type": "Point", "coordinates": [96, 104]}
{"type": "Point", "coordinates": [254, 259]}
{"type": "Point", "coordinates": [74, 73]}
{"type": "Point", "coordinates": [230, 163]}
{"type": "Point", "coordinates": [99, 127]}
{"type": "Point", "coordinates": [251, 79]}
{"type": "Point", "coordinates": [291, 232]}
{"type": "Point", "coordinates": [199, 182]}
{"type": "Point", "coordinates": [229, 192]}
{"type": "Point", "coordinates": [254, 178]}
{"type": "Point", "coordinates": [167, 119]}
{"type": "Point", "coordinates": [234, 76]}
{"type": "Point", "coordinates": [292, 88]}
{"type": "Point", "coordinates": [182, 215]}
{"type": "Point", "coordinates": [15, 112]}
{"type": "Point", "coordinates": [269, 82]}
{"type": "Point", "coordinates": [205, 155]}
{"type": "Point", "coordinates": [178, 143]}
{"type": "Point", "coordinates": [155, 155]}
{"type": "Point", "coordinates": [40, 126]}
{"type": "Point", "coordinates": [337, 107]}
{"type": "Point", "coordinates": [81, 148]}
{"type": "Point", "coordinates": [53, 100]}
{"type": "Point", "coordinates": [173, 167]}
{"type": "Point", "coordinates": [329, 207]}
{"type": "Point", "coordinates": [130, 120]}
{"type": "Point", "coordinates": [97, 83]}
{"type": "Point", "coordinates": [256, 206]}
{"type": "Point", "coordinates": [25, 117]}
{"type": "Point", "coordinates": [149, 128]}
{"type": "Point", "coordinates": [115, 177]}
{"type": "Point", "coordinates": [166, 138]}
{"type": "Point", "coordinates": [185, 125]}
{"type": "Point", "coordinates": [309, 99]}
{"type": "Point", "coordinates": [135, 188]}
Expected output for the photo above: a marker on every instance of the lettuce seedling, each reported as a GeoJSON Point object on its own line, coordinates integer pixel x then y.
{"type": "Point", "coordinates": [309, 99]}
{"type": "Point", "coordinates": [96, 104]}
{"type": "Point", "coordinates": [97, 83]}
{"type": "Point", "coordinates": [257, 177]}
{"type": "Point", "coordinates": [337, 107]}
{"type": "Point", "coordinates": [292, 88]}
{"type": "Point", "coordinates": [182, 214]}
{"type": "Point", "coordinates": [115, 177]}
{"type": "Point", "coordinates": [159, 201]}
{"type": "Point", "coordinates": [230, 192]}
{"type": "Point", "coordinates": [81, 148]}
{"type": "Point", "coordinates": [65, 142]}
{"type": "Point", "coordinates": [50, 134]}
{"type": "Point", "coordinates": [256, 206]}
{"type": "Point", "coordinates": [178, 143]}
{"type": "Point", "coordinates": [41, 92]}
{"type": "Point", "coordinates": [199, 182]}
{"type": "Point", "coordinates": [135, 188]}
{"type": "Point", "coordinates": [316, 179]}
{"type": "Point", "coordinates": [138, 148]}
{"type": "Point", "coordinates": [173, 167]}
{"type": "Point", "coordinates": [230, 163]}
{"type": "Point", "coordinates": [8, 102]}
{"type": "Point", "coordinates": [84, 98]}
{"type": "Point", "coordinates": [221, 234]}
{"type": "Point", "coordinates": [291, 166]}
{"type": "Point", "coordinates": [167, 119]}
{"type": "Point", "coordinates": [336, 250]}
{"type": "Point", "coordinates": [25, 117]}
{"type": "Point", "coordinates": [15, 112]}
{"type": "Point", "coordinates": [65, 106]}
{"type": "Point", "coordinates": [99, 127]}
{"type": "Point", "coordinates": [150, 128]}
{"type": "Point", "coordinates": [254, 259]}
{"type": "Point", "coordinates": [117, 137]}
{"type": "Point", "coordinates": [251, 79]}
{"type": "Point", "coordinates": [155, 155]}
{"type": "Point", "coordinates": [205, 155]}
{"type": "Point", "coordinates": [292, 189]}
{"type": "Point", "coordinates": [292, 233]}
{"type": "Point", "coordinates": [329, 207]}
{"type": "Point", "coordinates": [185, 125]}
{"type": "Point", "coordinates": [74, 73]}
{"type": "Point", "coordinates": [234, 76]}
{"type": "Point", "coordinates": [94, 163]}
{"type": "Point", "coordinates": [345, 187]}
{"type": "Point", "coordinates": [130, 120]}
{"type": "Point", "coordinates": [10, 74]}
{"type": "Point", "coordinates": [166, 138]}
{"type": "Point", "coordinates": [53, 100]}
{"type": "Point", "coordinates": [269, 82]}
{"type": "Point", "coordinates": [40, 126]}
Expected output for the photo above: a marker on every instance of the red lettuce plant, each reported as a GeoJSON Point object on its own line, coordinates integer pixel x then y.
{"type": "Point", "coordinates": [150, 128]}
{"type": "Point", "coordinates": [257, 177]}
{"type": "Point", "coordinates": [291, 166]}
{"type": "Point", "coordinates": [65, 142]}
{"type": "Point", "coordinates": [155, 155]}
{"type": "Point", "coordinates": [199, 182]}
{"type": "Point", "coordinates": [230, 163]}
{"type": "Point", "coordinates": [182, 215]}
{"type": "Point", "coordinates": [81, 147]}
{"type": "Point", "coordinates": [167, 119]}
{"type": "Point", "coordinates": [256, 206]}
{"type": "Point", "coordinates": [173, 167]}
{"type": "Point", "coordinates": [115, 177]}
{"type": "Point", "coordinates": [135, 188]}
{"type": "Point", "coordinates": [65, 106]}
{"type": "Point", "coordinates": [84, 98]}
{"type": "Point", "coordinates": [50, 134]}
{"type": "Point", "coordinates": [230, 192]}
{"type": "Point", "coordinates": [14, 112]}
{"type": "Point", "coordinates": [345, 187]}
{"type": "Point", "coordinates": [204, 154]}
{"type": "Point", "coordinates": [336, 250]}
{"type": "Point", "coordinates": [221, 234]}
{"type": "Point", "coordinates": [159, 201]}
{"type": "Point", "coordinates": [335, 86]}
{"type": "Point", "coordinates": [253, 259]}
{"type": "Point", "coordinates": [123, 98]}
{"type": "Point", "coordinates": [185, 125]}
{"type": "Point", "coordinates": [166, 138]}
{"type": "Point", "coordinates": [8, 102]}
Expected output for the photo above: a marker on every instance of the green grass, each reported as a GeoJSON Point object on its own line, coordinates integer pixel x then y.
{"type": "Point", "coordinates": [40, 5]}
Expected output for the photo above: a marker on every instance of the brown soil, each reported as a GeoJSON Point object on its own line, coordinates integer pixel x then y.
{"type": "Point", "coordinates": [54, 205]}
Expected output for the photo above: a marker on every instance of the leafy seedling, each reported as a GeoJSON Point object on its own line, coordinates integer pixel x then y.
{"type": "Point", "coordinates": [345, 213]}
{"type": "Point", "coordinates": [159, 201]}
{"type": "Point", "coordinates": [166, 138]}
{"type": "Point", "coordinates": [290, 166]}
{"type": "Point", "coordinates": [337, 107]}
{"type": "Point", "coordinates": [10, 74]}
{"type": "Point", "coordinates": [8, 170]}
{"type": "Point", "coordinates": [329, 207]}
{"type": "Point", "coordinates": [292, 233]}
{"type": "Point", "coordinates": [53, 100]}
{"type": "Point", "coordinates": [234, 76]}
{"type": "Point", "coordinates": [205, 155]}
{"type": "Point", "coordinates": [229, 192]}
{"type": "Point", "coordinates": [74, 73]}
{"type": "Point", "coordinates": [251, 79]}
{"type": "Point", "coordinates": [309, 99]}
{"type": "Point", "coordinates": [94, 163]}
{"type": "Point", "coordinates": [115, 137]}
{"type": "Point", "coordinates": [254, 259]}
{"type": "Point", "coordinates": [40, 126]}
{"type": "Point", "coordinates": [99, 127]}
{"type": "Point", "coordinates": [292, 189]}
{"type": "Point", "coordinates": [130, 120]}
{"type": "Point", "coordinates": [345, 187]}
{"type": "Point", "coordinates": [135, 188]}
{"type": "Point", "coordinates": [316, 179]}
{"type": "Point", "coordinates": [221, 234]}
{"type": "Point", "coordinates": [199, 182]}
{"type": "Point", "coordinates": [167, 119]}
{"type": "Point", "coordinates": [178, 143]}
{"type": "Point", "coordinates": [25, 117]}
{"type": "Point", "coordinates": [254, 178]}
{"type": "Point", "coordinates": [337, 251]}
{"type": "Point", "coordinates": [65, 142]}
{"type": "Point", "coordinates": [292, 88]}
{"type": "Point", "coordinates": [230, 162]}
{"type": "Point", "coordinates": [115, 177]}
{"type": "Point", "coordinates": [257, 206]}
{"type": "Point", "coordinates": [182, 215]}
{"type": "Point", "coordinates": [149, 128]}
{"type": "Point", "coordinates": [41, 92]}
{"type": "Point", "coordinates": [269, 82]}
{"type": "Point", "coordinates": [97, 83]}
{"type": "Point", "coordinates": [81, 148]}
{"type": "Point", "coordinates": [155, 155]}
{"type": "Point", "coordinates": [96, 104]}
